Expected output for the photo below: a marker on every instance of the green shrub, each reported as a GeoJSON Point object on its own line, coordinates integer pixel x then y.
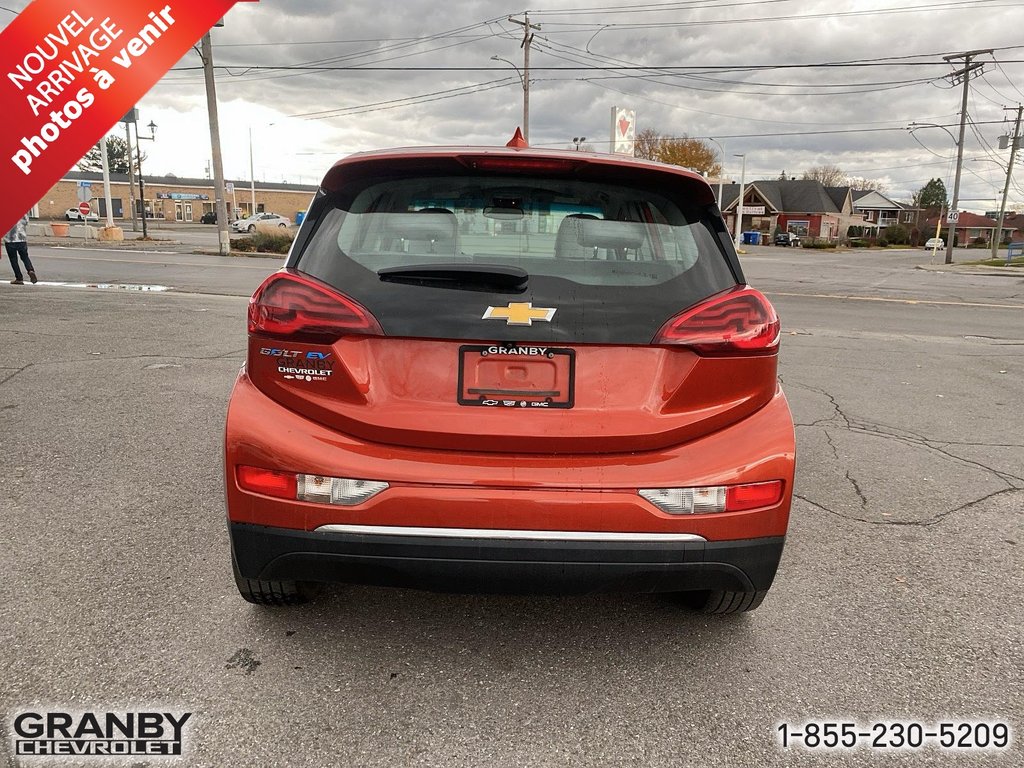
{"type": "Point", "coordinates": [883, 242]}
{"type": "Point", "coordinates": [243, 244]}
{"type": "Point", "coordinates": [897, 234]}
{"type": "Point", "coordinates": [270, 242]}
{"type": "Point", "coordinates": [858, 243]}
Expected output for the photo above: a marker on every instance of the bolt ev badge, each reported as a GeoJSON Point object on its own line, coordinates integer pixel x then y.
{"type": "Point", "coordinates": [520, 313]}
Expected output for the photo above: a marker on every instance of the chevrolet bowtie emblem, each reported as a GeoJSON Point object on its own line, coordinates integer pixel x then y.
{"type": "Point", "coordinates": [519, 313]}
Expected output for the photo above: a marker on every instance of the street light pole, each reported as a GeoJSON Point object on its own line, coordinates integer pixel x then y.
{"type": "Point", "coordinates": [739, 201]}
{"type": "Point", "coordinates": [721, 171]}
{"type": "Point", "coordinates": [138, 151]}
{"type": "Point", "coordinates": [577, 140]}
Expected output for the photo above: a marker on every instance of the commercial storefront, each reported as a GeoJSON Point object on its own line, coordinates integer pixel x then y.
{"type": "Point", "coordinates": [171, 198]}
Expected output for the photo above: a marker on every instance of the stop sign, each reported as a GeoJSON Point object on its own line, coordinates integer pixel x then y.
{"type": "Point", "coordinates": [84, 209]}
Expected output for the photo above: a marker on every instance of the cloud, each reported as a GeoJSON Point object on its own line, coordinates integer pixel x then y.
{"type": "Point", "coordinates": [764, 104]}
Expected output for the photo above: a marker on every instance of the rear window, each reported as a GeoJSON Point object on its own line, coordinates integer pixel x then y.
{"type": "Point", "coordinates": [637, 255]}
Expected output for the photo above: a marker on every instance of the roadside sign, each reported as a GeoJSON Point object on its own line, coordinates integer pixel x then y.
{"type": "Point", "coordinates": [84, 191]}
{"type": "Point", "coordinates": [229, 188]}
{"type": "Point", "coordinates": [84, 208]}
{"type": "Point", "coordinates": [952, 217]}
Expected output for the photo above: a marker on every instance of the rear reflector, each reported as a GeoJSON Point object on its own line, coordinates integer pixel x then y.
{"type": "Point", "coordinates": [716, 498]}
{"type": "Point", "coordinates": [268, 482]}
{"type": "Point", "coordinates": [293, 306]}
{"type": "Point", "coordinates": [740, 321]}
{"type": "Point", "coordinates": [341, 491]}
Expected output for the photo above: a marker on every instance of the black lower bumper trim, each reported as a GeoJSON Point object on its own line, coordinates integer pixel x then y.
{"type": "Point", "coordinates": [518, 567]}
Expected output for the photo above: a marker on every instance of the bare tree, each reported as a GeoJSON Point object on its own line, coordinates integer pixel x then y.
{"type": "Point", "coordinates": [828, 175]}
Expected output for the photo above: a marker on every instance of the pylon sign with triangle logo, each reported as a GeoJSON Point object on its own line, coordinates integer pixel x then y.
{"type": "Point", "coordinates": [623, 130]}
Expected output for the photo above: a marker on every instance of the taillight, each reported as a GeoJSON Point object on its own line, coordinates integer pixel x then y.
{"type": "Point", "coordinates": [716, 498]}
{"type": "Point", "coordinates": [296, 307]}
{"type": "Point", "coordinates": [740, 321]}
{"type": "Point", "coordinates": [341, 491]}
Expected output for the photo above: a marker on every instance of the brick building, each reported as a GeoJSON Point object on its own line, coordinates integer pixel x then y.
{"type": "Point", "coordinates": [171, 198]}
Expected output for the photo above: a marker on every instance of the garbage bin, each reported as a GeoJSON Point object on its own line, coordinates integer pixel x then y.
{"type": "Point", "coordinates": [751, 238]}
{"type": "Point", "coordinates": [299, 217]}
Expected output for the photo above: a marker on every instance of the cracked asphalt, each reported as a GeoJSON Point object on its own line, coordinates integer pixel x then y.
{"type": "Point", "coordinates": [899, 595]}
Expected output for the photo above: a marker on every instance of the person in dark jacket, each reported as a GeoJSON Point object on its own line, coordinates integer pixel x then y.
{"type": "Point", "coordinates": [16, 243]}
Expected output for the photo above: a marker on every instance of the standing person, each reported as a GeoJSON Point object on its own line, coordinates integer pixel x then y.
{"type": "Point", "coordinates": [16, 243]}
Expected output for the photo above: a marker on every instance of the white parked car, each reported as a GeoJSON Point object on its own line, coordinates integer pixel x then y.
{"type": "Point", "coordinates": [72, 214]}
{"type": "Point", "coordinates": [261, 219]}
{"type": "Point", "coordinates": [935, 243]}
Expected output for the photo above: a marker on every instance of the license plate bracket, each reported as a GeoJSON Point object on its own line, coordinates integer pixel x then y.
{"type": "Point", "coordinates": [525, 376]}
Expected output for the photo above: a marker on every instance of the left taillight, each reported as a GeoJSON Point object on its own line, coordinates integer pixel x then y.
{"type": "Point", "coordinates": [295, 307]}
{"type": "Point", "coordinates": [740, 321]}
{"type": "Point", "coordinates": [340, 491]}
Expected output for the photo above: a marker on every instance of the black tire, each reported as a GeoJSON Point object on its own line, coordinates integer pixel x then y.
{"type": "Point", "coordinates": [259, 592]}
{"type": "Point", "coordinates": [252, 228]}
{"type": "Point", "coordinates": [721, 601]}
{"type": "Point", "coordinates": [282, 226]}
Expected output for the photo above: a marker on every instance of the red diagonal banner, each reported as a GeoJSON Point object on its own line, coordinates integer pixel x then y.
{"type": "Point", "coordinates": [71, 70]}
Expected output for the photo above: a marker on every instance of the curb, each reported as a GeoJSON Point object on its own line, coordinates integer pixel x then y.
{"type": "Point", "coordinates": [974, 269]}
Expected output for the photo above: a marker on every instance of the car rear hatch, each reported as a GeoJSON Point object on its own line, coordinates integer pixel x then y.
{"type": "Point", "coordinates": [511, 301]}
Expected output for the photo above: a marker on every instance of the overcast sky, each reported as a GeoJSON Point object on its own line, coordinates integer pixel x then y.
{"type": "Point", "coordinates": [734, 70]}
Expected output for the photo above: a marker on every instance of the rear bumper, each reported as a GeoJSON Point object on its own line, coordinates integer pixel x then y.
{"type": "Point", "coordinates": [490, 564]}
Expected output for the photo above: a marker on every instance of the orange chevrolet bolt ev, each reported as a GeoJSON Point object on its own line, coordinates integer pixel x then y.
{"type": "Point", "coordinates": [510, 370]}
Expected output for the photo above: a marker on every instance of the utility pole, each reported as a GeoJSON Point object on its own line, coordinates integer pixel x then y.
{"type": "Point", "coordinates": [220, 205]}
{"type": "Point", "coordinates": [1014, 143]}
{"type": "Point", "coordinates": [525, 45]}
{"type": "Point", "coordinates": [965, 76]}
{"type": "Point", "coordinates": [252, 176]}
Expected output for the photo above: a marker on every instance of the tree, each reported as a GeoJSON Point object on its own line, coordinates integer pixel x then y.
{"type": "Point", "coordinates": [117, 157]}
{"type": "Point", "coordinates": [859, 182]}
{"type": "Point", "coordinates": [646, 144]}
{"type": "Point", "coordinates": [932, 196]}
{"type": "Point", "coordinates": [828, 175]}
{"type": "Point", "coordinates": [695, 154]}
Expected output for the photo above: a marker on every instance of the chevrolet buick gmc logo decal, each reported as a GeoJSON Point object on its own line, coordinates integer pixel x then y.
{"type": "Point", "coordinates": [520, 313]}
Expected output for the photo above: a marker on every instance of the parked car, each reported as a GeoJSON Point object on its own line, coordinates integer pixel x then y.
{"type": "Point", "coordinates": [210, 217]}
{"type": "Point", "coordinates": [934, 243]}
{"type": "Point", "coordinates": [789, 239]}
{"type": "Point", "coordinates": [260, 219]}
{"type": "Point", "coordinates": [73, 214]}
{"type": "Point", "coordinates": [427, 404]}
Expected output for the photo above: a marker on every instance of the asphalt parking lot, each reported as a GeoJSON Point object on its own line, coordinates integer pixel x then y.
{"type": "Point", "coordinates": [898, 597]}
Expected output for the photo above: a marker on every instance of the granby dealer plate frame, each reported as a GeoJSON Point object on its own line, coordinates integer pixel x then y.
{"type": "Point", "coordinates": [509, 375]}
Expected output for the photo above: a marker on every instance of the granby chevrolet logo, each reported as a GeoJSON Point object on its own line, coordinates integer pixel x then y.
{"type": "Point", "coordinates": [520, 313]}
{"type": "Point", "coordinates": [49, 734]}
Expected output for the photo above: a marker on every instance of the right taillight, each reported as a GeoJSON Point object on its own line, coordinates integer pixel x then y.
{"type": "Point", "coordinates": [740, 321]}
{"type": "Point", "coordinates": [293, 306]}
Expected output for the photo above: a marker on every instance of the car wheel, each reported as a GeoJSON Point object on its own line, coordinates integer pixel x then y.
{"type": "Point", "coordinates": [721, 601]}
{"type": "Point", "coordinates": [282, 226]}
{"type": "Point", "coordinates": [260, 592]}
{"type": "Point", "coordinates": [252, 228]}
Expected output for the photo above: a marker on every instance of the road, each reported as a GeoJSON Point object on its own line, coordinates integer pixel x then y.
{"type": "Point", "coordinates": [898, 597]}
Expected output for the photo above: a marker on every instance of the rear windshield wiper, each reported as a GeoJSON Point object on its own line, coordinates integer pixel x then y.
{"type": "Point", "coordinates": [472, 277]}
